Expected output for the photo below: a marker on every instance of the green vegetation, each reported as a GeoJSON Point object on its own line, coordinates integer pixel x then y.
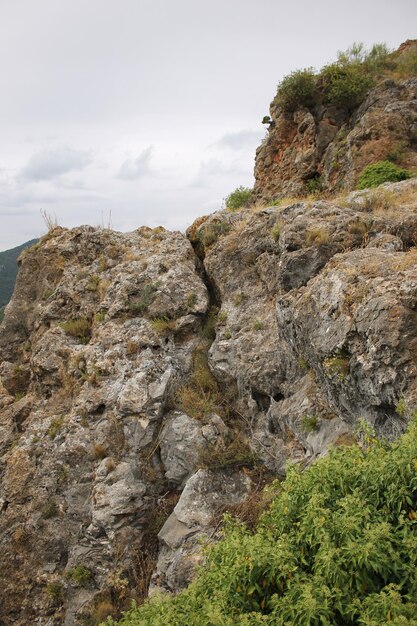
{"type": "Point", "coordinates": [8, 272]}
{"type": "Point", "coordinates": [80, 575]}
{"type": "Point", "coordinates": [337, 547]}
{"type": "Point", "coordinates": [162, 325]}
{"type": "Point", "coordinates": [309, 423]}
{"type": "Point", "coordinates": [297, 89]}
{"type": "Point", "coordinates": [314, 185]}
{"type": "Point", "coordinates": [345, 82]}
{"type": "Point", "coordinates": [381, 172]}
{"type": "Point", "coordinates": [55, 427]}
{"type": "Point", "coordinates": [238, 198]}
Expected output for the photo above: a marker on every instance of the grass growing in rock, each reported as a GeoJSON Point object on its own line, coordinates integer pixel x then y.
{"type": "Point", "coordinates": [337, 547]}
{"type": "Point", "coordinates": [80, 328]}
{"type": "Point", "coordinates": [201, 396]}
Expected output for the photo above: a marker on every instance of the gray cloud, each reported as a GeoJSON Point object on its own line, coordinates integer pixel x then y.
{"type": "Point", "coordinates": [242, 140]}
{"type": "Point", "coordinates": [52, 162]}
{"type": "Point", "coordinates": [132, 169]}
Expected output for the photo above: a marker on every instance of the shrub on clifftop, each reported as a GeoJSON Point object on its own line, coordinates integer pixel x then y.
{"type": "Point", "coordinates": [238, 198]}
{"type": "Point", "coordinates": [297, 89]}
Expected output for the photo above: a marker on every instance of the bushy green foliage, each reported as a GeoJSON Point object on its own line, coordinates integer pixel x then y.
{"type": "Point", "coordinates": [314, 185]}
{"type": "Point", "coordinates": [345, 85]}
{"type": "Point", "coordinates": [338, 546]}
{"type": "Point", "coordinates": [238, 198]}
{"type": "Point", "coordinates": [381, 172]}
{"type": "Point", "coordinates": [297, 89]}
{"type": "Point", "coordinates": [79, 575]}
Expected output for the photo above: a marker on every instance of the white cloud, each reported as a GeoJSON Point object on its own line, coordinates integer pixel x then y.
{"type": "Point", "coordinates": [240, 141]}
{"type": "Point", "coordinates": [132, 169]}
{"type": "Point", "coordinates": [50, 163]}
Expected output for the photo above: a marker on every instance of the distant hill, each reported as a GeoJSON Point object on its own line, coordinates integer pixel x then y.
{"type": "Point", "coordinates": [8, 272]}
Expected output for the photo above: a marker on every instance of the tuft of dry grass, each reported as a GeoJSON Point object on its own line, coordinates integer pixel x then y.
{"type": "Point", "coordinates": [202, 395]}
{"type": "Point", "coordinates": [98, 451]}
{"type": "Point", "coordinates": [162, 325]}
{"type": "Point", "coordinates": [79, 328]}
{"type": "Point", "coordinates": [317, 236]}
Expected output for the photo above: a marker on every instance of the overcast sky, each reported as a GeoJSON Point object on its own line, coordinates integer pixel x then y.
{"type": "Point", "coordinates": [135, 112]}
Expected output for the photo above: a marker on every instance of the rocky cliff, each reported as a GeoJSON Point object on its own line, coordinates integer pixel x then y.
{"type": "Point", "coordinates": [149, 381]}
{"type": "Point", "coordinates": [331, 144]}
{"type": "Point", "coordinates": [147, 377]}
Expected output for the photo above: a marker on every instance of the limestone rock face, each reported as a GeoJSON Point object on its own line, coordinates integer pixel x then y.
{"type": "Point", "coordinates": [86, 376]}
{"type": "Point", "coordinates": [205, 493]}
{"type": "Point", "coordinates": [334, 145]}
{"type": "Point", "coordinates": [284, 326]}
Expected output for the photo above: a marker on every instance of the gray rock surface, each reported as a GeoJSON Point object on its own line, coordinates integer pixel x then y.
{"type": "Point", "coordinates": [301, 319]}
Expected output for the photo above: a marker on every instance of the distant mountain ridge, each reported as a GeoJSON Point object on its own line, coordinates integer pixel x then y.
{"type": "Point", "coordinates": [8, 271]}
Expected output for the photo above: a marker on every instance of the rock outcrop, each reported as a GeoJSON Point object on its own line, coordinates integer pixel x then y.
{"type": "Point", "coordinates": [332, 145]}
{"type": "Point", "coordinates": [151, 381]}
{"type": "Point", "coordinates": [300, 318]}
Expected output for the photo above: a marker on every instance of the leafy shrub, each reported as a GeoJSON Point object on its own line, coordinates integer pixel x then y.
{"type": "Point", "coordinates": [337, 546]}
{"type": "Point", "coordinates": [238, 198]}
{"type": "Point", "coordinates": [345, 85]}
{"type": "Point", "coordinates": [297, 89]}
{"type": "Point", "coordinates": [314, 185]}
{"type": "Point", "coordinates": [80, 575]}
{"type": "Point", "coordinates": [381, 172]}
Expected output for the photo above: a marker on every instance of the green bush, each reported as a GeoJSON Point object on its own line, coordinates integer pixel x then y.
{"type": "Point", "coordinates": [338, 546]}
{"type": "Point", "coordinates": [381, 172]}
{"type": "Point", "coordinates": [345, 85]}
{"type": "Point", "coordinates": [297, 89]}
{"type": "Point", "coordinates": [238, 198]}
{"type": "Point", "coordinates": [79, 575]}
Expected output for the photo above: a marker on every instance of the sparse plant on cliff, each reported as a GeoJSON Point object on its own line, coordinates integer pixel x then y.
{"type": "Point", "coordinates": [210, 233]}
{"type": "Point", "coordinates": [309, 423]}
{"type": "Point", "coordinates": [79, 575]}
{"type": "Point", "coordinates": [238, 198]}
{"type": "Point", "coordinates": [79, 328]}
{"type": "Point", "coordinates": [381, 172]}
{"type": "Point", "coordinates": [297, 89]}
